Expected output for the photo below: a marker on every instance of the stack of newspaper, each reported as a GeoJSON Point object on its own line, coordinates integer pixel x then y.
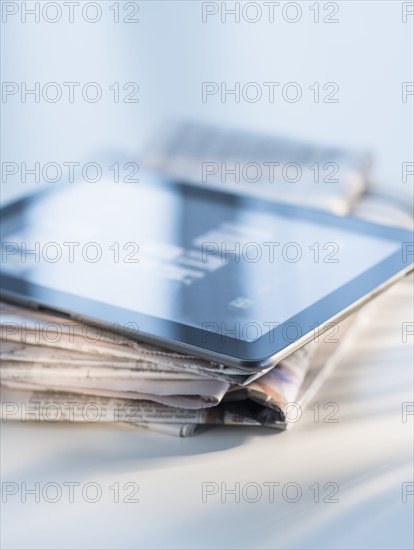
{"type": "Point", "coordinates": [55, 369]}
{"type": "Point", "coordinates": [58, 369]}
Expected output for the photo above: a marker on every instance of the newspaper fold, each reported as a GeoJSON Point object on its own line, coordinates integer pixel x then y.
{"type": "Point", "coordinates": [26, 326]}
{"type": "Point", "coordinates": [50, 376]}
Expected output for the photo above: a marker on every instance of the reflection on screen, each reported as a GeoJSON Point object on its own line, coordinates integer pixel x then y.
{"type": "Point", "coordinates": [185, 255]}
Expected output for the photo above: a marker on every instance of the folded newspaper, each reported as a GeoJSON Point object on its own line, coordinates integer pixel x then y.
{"type": "Point", "coordinates": [48, 375]}
{"type": "Point", "coordinates": [53, 370]}
{"type": "Point", "coordinates": [267, 167]}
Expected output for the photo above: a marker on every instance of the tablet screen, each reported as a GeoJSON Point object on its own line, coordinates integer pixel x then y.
{"type": "Point", "coordinates": [204, 259]}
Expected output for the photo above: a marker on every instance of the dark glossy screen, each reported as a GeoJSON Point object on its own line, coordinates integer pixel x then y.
{"type": "Point", "coordinates": [207, 260]}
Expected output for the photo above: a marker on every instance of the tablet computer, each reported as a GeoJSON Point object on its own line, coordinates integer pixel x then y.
{"type": "Point", "coordinates": [231, 279]}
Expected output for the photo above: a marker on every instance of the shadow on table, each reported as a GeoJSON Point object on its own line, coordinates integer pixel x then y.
{"type": "Point", "coordinates": [68, 448]}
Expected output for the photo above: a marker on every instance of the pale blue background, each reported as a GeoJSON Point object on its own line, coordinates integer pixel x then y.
{"type": "Point", "coordinates": [170, 52]}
